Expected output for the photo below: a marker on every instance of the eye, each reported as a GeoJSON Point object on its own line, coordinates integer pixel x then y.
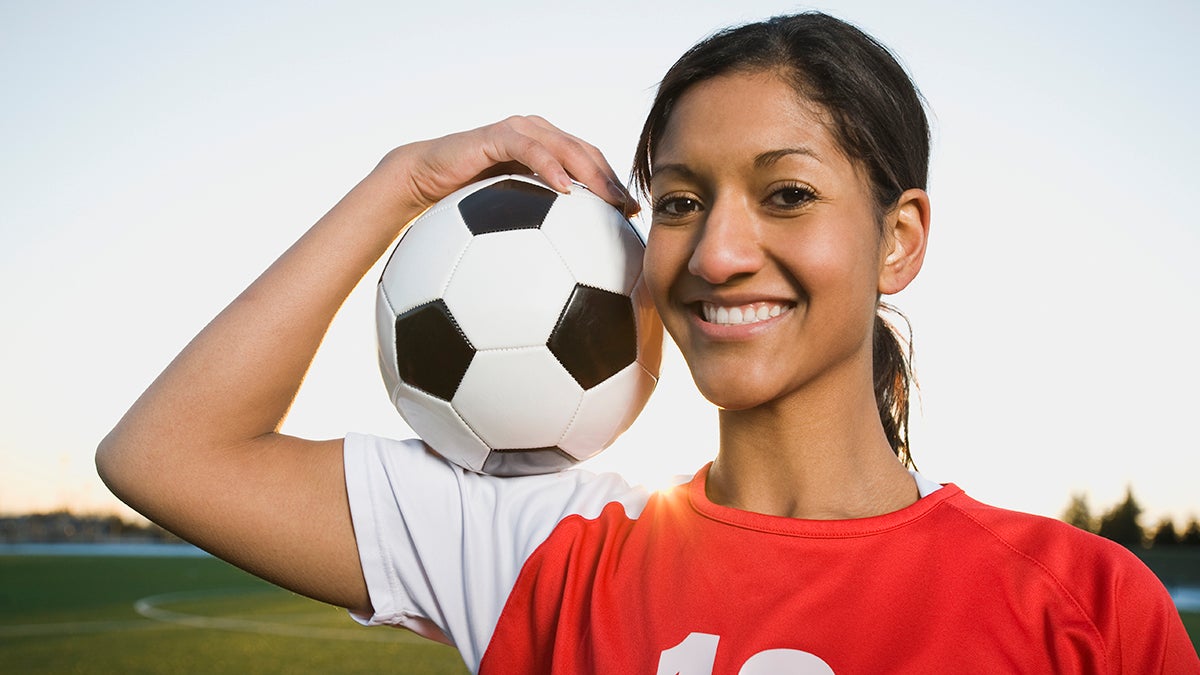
{"type": "Point", "coordinates": [791, 197]}
{"type": "Point", "coordinates": [675, 206]}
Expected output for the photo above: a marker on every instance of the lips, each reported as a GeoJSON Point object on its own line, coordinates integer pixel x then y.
{"type": "Point", "coordinates": [740, 315]}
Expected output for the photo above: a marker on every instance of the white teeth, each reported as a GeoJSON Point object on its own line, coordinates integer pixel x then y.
{"type": "Point", "coordinates": [736, 316]}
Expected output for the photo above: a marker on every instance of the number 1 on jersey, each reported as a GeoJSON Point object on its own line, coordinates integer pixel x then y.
{"type": "Point", "coordinates": [698, 652]}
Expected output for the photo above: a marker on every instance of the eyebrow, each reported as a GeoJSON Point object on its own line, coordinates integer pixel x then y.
{"type": "Point", "coordinates": [676, 168]}
{"type": "Point", "coordinates": [761, 161]}
{"type": "Point", "coordinates": [768, 158]}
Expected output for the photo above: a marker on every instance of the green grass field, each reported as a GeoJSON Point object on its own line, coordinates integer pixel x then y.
{"type": "Point", "coordinates": [1178, 567]}
{"type": "Point", "coordinates": [70, 614]}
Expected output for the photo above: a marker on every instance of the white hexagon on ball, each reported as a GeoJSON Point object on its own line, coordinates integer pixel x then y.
{"type": "Point", "coordinates": [385, 330]}
{"type": "Point", "coordinates": [440, 426]}
{"type": "Point", "coordinates": [514, 305]}
{"type": "Point", "coordinates": [603, 414]}
{"type": "Point", "coordinates": [599, 245]}
{"type": "Point", "coordinates": [419, 271]}
{"type": "Point", "coordinates": [517, 398]}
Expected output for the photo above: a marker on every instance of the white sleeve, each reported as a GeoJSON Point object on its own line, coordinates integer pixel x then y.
{"type": "Point", "coordinates": [441, 547]}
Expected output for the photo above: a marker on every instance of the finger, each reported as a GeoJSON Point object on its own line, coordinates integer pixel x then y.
{"type": "Point", "coordinates": [515, 145]}
{"type": "Point", "coordinates": [577, 147]}
{"type": "Point", "coordinates": [500, 170]}
{"type": "Point", "coordinates": [581, 160]}
{"type": "Point", "coordinates": [505, 143]}
{"type": "Point", "coordinates": [446, 164]}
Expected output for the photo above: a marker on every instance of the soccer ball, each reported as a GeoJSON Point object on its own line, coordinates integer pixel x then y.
{"type": "Point", "coordinates": [514, 335]}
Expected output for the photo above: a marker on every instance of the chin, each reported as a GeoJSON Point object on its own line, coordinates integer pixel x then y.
{"type": "Point", "coordinates": [732, 398]}
{"type": "Point", "coordinates": [736, 385]}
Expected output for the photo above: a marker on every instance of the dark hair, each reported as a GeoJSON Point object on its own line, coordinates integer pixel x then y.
{"type": "Point", "coordinates": [876, 115]}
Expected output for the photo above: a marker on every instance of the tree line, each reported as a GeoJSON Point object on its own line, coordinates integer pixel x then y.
{"type": "Point", "coordinates": [1120, 523]}
{"type": "Point", "coordinates": [66, 527]}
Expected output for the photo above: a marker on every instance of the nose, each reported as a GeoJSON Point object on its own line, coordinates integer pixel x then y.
{"type": "Point", "coordinates": [727, 245]}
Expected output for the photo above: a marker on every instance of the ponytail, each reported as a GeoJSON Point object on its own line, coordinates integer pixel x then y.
{"type": "Point", "coordinates": [893, 380]}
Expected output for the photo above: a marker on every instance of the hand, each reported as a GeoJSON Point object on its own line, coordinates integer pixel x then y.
{"type": "Point", "coordinates": [431, 170]}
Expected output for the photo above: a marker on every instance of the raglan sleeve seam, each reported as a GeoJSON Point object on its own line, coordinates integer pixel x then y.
{"type": "Point", "coordinates": [1063, 590]}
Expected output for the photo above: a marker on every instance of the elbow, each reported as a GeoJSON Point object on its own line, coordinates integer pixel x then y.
{"type": "Point", "coordinates": [133, 468]}
{"type": "Point", "coordinates": [106, 462]}
{"type": "Point", "coordinates": [114, 466]}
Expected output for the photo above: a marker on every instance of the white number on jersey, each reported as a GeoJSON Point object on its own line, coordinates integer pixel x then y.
{"type": "Point", "coordinates": [698, 651]}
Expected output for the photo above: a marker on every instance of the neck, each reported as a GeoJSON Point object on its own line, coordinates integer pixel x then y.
{"type": "Point", "coordinates": [819, 454]}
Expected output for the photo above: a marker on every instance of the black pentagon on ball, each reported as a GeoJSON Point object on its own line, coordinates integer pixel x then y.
{"type": "Point", "coordinates": [526, 462]}
{"type": "Point", "coordinates": [596, 335]}
{"type": "Point", "coordinates": [506, 205]}
{"type": "Point", "coordinates": [432, 354]}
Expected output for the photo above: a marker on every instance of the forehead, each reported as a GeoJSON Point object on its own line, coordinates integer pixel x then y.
{"type": "Point", "coordinates": [739, 116]}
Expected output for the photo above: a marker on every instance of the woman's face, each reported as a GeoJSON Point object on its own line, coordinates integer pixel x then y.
{"type": "Point", "coordinates": [764, 253]}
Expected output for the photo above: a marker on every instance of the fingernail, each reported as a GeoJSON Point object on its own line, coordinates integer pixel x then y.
{"type": "Point", "coordinates": [618, 193]}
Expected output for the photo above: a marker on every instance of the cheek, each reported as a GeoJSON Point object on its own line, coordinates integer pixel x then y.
{"type": "Point", "coordinates": [658, 266]}
{"type": "Point", "coordinates": [836, 266]}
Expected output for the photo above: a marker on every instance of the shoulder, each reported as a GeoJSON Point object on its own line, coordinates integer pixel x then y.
{"type": "Point", "coordinates": [441, 547]}
{"type": "Point", "coordinates": [1080, 562]}
{"type": "Point", "coordinates": [1102, 582]}
{"type": "Point", "coordinates": [1050, 543]}
{"type": "Point", "coordinates": [385, 467]}
{"type": "Point", "coordinates": [1049, 568]}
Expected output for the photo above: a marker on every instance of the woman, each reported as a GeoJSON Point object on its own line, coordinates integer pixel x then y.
{"type": "Point", "coordinates": [786, 165]}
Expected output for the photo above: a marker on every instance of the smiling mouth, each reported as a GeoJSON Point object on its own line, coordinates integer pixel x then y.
{"type": "Point", "coordinates": [742, 314]}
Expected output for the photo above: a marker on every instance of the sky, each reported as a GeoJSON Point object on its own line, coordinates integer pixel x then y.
{"type": "Point", "coordinates": [156, 156]}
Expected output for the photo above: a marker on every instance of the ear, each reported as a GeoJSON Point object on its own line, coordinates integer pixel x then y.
{"type": "Point", "coordinates": [906, 230]}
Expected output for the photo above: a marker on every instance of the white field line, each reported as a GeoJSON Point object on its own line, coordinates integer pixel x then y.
{"type": "Point", "coordinates": [157, 618]}
{"type": "Point", "coordinates": [150, 608]}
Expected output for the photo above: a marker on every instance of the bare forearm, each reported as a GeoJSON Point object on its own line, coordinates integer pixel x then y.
{"type": "Point", "coordinates": [237, 378]}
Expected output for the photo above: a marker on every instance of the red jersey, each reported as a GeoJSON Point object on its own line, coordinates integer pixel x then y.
{"type": "Point", "coordinates": [573, 573]}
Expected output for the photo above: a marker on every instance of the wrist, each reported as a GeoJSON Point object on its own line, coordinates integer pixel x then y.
{"type": "Point", "coordinates": [396, 176]}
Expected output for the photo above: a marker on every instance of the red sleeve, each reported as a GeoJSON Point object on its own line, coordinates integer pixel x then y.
{"type": "Point", "coordinates": [1136, 625]}
{"type": "Point", "coordinates": [1150, 633]}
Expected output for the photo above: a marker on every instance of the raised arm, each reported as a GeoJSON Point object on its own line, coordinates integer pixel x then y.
{"type": "Point", "coordinates": [199, 452]}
